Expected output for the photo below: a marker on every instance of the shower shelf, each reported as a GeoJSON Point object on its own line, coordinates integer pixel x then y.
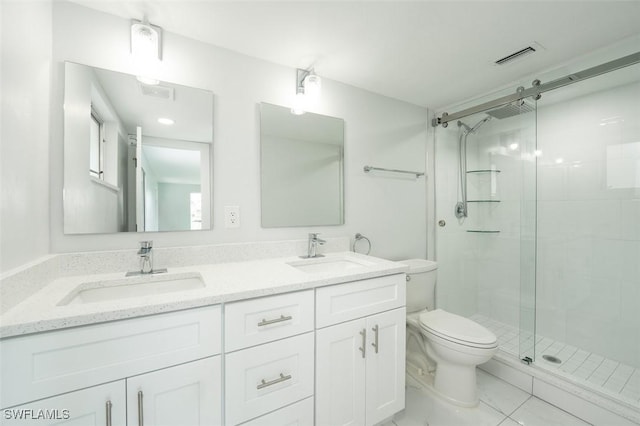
{"type": "Point", "coordinates": [483, 201]}
{"type": "Point", "coordinates": [484, 171]}
{"type": "Point", "coordinates": [482, 232]}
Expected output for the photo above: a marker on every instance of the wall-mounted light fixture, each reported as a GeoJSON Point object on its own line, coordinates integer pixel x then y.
{"type": "Point", "coordinates": [308, 89]}
{"type": "Point", "coordinates": [146, 48]}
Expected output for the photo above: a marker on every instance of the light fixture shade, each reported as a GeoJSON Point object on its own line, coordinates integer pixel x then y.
{"type": "Point", "coordinates": [299, 104]}
{"type": "Point", "coordinates": [146, 41]}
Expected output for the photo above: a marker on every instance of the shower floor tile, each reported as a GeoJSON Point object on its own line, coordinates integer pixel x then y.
{"type": "Point", "coordinates": [595, 371]}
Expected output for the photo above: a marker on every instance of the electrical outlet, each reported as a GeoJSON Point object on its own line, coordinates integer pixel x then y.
{"type": "Point", "coordinates": [231, 216]}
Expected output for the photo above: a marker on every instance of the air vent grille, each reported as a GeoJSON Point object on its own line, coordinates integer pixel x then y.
{"type": "Point", "coordinates": [519, 54]}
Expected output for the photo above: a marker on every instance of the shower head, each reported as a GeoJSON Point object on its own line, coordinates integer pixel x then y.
{"type": "Point", "coordinates": [479, 124]}
{"type": "Point", "coordinates": [511, 110]}
{"type": "Point", "coordinates": [474, 128]}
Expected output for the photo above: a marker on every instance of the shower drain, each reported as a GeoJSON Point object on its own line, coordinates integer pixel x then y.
{"type": "Point", "coordinates": [552, 359]}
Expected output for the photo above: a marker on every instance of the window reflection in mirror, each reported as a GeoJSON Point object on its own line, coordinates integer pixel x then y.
{"type": "Point", "coordinates": [137, 157]}
{"type": "Point", "coordinates": [301, 168]}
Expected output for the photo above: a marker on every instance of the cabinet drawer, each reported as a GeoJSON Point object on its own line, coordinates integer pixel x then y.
{"type": "Point", "coordinates": [298, 414]}
{"type": "Point", "coordinates": [40, 365]}
{"type": "Point", "coordinates": [344, 302]}
{"type": "Point", "coordinates": [266, 377]}
{"type": "Point", "coordinates": [257, 321]}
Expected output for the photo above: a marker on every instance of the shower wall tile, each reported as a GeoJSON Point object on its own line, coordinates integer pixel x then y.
{"type": "Point", "coordinates": [588, 225]}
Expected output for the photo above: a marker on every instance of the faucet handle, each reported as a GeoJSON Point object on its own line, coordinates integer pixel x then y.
{"type": "Point", "coordinates": [313, 235]}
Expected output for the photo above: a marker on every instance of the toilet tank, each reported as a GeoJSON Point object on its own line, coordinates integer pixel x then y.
{"type": "Point", "coordinates": [421, 284]}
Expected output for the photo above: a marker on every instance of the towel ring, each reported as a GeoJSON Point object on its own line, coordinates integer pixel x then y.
{"type": "Point", "coordinates": [359, 237]}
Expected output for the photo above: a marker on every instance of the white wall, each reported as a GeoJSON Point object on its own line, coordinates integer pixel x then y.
{"type": "Point", "coordinates": [24, 157]}
{"type": "Point", "coordinates": [379, 131]}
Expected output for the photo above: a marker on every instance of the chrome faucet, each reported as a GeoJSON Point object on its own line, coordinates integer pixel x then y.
{"type": "Point", "coordinates": [146, 257]}
{"type": "Point", "coordinates": [146, 261]}
{"type": "Point", "coordinates": [312, 250]}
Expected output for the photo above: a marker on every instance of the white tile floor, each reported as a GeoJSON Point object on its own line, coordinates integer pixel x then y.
{"type": "Point", "coordinates": [500, 404]}
{"type": "Point", "coordinates": [592, 370]}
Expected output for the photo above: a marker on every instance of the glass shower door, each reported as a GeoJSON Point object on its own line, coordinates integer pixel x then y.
{"type": "Point", "coordinates": [486, 257]}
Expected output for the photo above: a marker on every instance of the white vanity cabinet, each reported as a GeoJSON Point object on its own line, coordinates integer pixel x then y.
{"type": "Point", "coordinates": [360, 362]}
{"type": "Point", "coordinates": [154, 352]}
{"type": "Point", "coordinates": [269, 362]}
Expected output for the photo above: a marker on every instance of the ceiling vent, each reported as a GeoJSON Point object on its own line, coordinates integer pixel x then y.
{"type": "Point", "coordinates": [516, 55]}
{"type": "Point", "coordinates": [158, 91]}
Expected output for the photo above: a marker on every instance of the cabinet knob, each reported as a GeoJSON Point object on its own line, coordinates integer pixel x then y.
{"type": "Point", "coordinates": [442, 223]}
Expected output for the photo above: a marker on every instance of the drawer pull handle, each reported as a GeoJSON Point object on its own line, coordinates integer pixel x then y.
{"type": "Point", "coordinates": [375, 339]}
{"type": "Point", "coordinates": [273, 321]}
{"type": "Point", "coordinates": [280, 379]}
{"type": "Point", "coordinates": [109, 405]}
{"type": "Point", "coordinates": [363, 349]}
{"type": "Point", "coordinates": [140, 410]}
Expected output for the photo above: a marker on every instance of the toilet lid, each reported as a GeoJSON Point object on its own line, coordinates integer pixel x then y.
{"type": "Point", "coordinates": [456, 328]}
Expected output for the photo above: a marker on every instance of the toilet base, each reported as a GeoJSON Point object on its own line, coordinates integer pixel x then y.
{"type": "Point", "coordinates": [427, 380]}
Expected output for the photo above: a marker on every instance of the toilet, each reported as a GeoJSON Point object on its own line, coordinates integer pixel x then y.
{"type": "Point", "coordinates": [443, 349]}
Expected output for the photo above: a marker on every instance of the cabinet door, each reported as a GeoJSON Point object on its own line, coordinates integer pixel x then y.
{"type": "Point", "coordinates": [340, 374]}
{"type": "Point", "coordinates": [88, 407]}
{"type": "Point", "coordinates": [184, 395]}
{"type": "Point", "coordinates": [385, 365]}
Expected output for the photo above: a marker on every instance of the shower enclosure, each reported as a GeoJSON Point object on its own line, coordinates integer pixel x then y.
{"type": "Point", "coordinates": [538, 229]}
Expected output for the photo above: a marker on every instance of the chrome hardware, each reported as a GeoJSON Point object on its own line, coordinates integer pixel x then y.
{"type": "Point", "coordinates": [375, 339]}
{"type": "Point", "coordinates": [527, 360]}
{"type": "Point", "coordinates": [146, 261]}
{"type": "Point", "coordinates": [273, 321]}
{"type": "Point", "coordinates": [140, 410]}
{"type": "Point", "coordinates": [263, 384]}
{"type": "Point", "coordinates": [441, 223]}
{"type": "Point", "coordinates": [363, 349]}
{"type": "Point", "coordinates": [312, 248]}
{"type": "Point", "coordinates": [359, 237]}
{"type": "Point", "coordinates": [367, 169]}
{"type": "Point", "coordinates": [108, 406]}
{"type": "Point", "coordinates": [146, 257]}
{"type": "Point", "coordinates": [408, 277]}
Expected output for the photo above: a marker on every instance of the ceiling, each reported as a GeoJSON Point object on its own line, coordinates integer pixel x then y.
{"type": "Point", "coordinates": [429, 53]}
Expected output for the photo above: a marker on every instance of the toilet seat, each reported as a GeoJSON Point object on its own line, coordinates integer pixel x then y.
{"type": "Point", "coordinates": [457, 329]}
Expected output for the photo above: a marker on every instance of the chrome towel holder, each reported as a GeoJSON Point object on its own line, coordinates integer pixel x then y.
{"type": "Point", "coordinates": [367, 169]}
{"type": "Point", "coordinates": [359, 237]}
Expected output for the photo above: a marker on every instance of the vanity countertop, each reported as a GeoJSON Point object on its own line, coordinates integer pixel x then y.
{"type": "Point", "coordinates": [223, 282]}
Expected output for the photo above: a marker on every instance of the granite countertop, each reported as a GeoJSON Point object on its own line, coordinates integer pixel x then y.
{"type": "Point", "coordinates": [223, 282]}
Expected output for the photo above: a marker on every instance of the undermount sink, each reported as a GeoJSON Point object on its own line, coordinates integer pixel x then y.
{"type": "Point", "coordinates": [329, 264]}
{"type": "Point", "coordinates": [140, 286]}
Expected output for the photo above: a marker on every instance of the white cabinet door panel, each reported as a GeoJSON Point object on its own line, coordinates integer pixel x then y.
{"type": "Point", "coordinates": [340, 374]}
{"type": "Point", "coordinates": [87, 407]}
{"type": "Point", "coordinates": [184, 395]}
{"type": "Point", "coordinates": [385, 368]}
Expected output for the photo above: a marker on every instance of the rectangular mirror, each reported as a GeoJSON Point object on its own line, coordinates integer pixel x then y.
{"type": "Point", "coordinates": [302, 168]}
{"type": "Point", "coordinates": [137, 154]}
